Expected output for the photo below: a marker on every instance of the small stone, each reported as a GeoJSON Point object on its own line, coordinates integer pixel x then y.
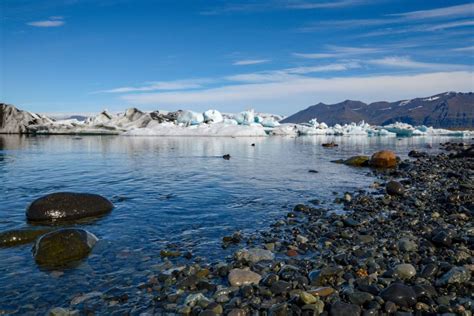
{"type": "Point", "coordinates": [280, 287]}
{"type": "Point", "coordinates": [407, 245]}
{"type": "Point", "coordinates": [360, 298]}
{"type": "Point", "coordinates": [237, 312]}
{"type": "Point", "coordinates": [365, 239]}
{"type": "Point", "coordinates": [254, 255]}
{"type": "Point", "coordinates": [59, 311]}
{"type": "Point", "coordinates": [278, 310]}
{"type": "Point", "coordinates": [442, 238]}
{"type": "Point", "coordinates": [301, 239]}
{"type": "Point", "coordinates": [170, 253]}
{"type": "Point", "coordinates": [344, 309]}
{"type": "Point", "coordinates": [405, 271]}
{"type": "Point", "coordinates": [400, 294]}
{"type": "Point", "coordinates": [456, 275]}
{"type": "Point", "coordinates": [322, 291]}
{"type": "Point", "coordinates": [238, 277]}
{"type": "Point", "coordinates": [292, 253]}
{"type": "Point", "coordinates": [394, 188]}
{"type": "Point", "coordinates": [307, 298]}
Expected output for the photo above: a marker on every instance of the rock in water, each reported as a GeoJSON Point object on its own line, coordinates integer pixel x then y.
{"type": "Point", "coordinates": [20, 236]}
{"type": "Point", "coordinates": [66, 206]}
{"type": "Point", "coordinates": [383, 159]}
{"type": "Point", "coordinates": [400, 294]}
{"type": "Point", "coordinates": [62, 247]}
{"type": "Point", "coordinates": [394, 188]}
{"type": "Point", "coordinates": [357, 161]}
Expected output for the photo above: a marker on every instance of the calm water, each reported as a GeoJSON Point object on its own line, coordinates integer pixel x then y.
{"type": "Point", "coordinates": [166, 191]}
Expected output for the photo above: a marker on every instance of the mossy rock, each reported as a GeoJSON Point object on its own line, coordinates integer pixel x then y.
{"type": "Point", "coordinates": [18, 237]}
{"type": "Point", "coordinates": [67, 206]}
{"type": "Point", "coordinates": [357, 161]}
{"type": "Point", "coordinates": [63, 247]}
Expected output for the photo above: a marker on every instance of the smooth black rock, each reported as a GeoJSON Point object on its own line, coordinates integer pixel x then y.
{"type": "Point", "coordinates": [442, 238]}
{"type": "Point", "coordinates": [394, 188]}
{"type": "Point", "coordinates": [17, 237]}
{"type": "Point", "coordinates": [63, 247]}
{"type": "Point", "coordinates": [400, 294]}
{"type": "Point", "coordinates": [344, 309]}
{"type": "Point", "coordinates": [65, 206]}
{"type": "Point", "coordinates": [417, 154]}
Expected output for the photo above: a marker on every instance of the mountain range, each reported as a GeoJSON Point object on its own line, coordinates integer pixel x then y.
{"type": "Point", "coordinates": [445, 110]}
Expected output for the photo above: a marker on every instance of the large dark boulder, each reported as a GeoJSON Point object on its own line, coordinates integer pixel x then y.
{"type": "Point", "coordinates": [17, 237]}
{"type": "Point", "coordinates": [65, 206]}
{"type": "Point", "coordinates": [63, 247]}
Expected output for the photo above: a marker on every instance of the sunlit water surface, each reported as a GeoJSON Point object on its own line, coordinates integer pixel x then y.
{"type": "Point", "coordinates": [166, 191]}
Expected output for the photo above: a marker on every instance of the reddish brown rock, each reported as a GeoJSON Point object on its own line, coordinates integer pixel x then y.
{"type": "Point", "coordinates": [383, 159]}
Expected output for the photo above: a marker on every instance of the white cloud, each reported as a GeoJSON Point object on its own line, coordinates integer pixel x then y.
{"type": "Point", "coordinates": [450, 25]}
{"type": "Point", "coordinates": [52, 21]}
{"type": "Point", "coordinates": [406, 62]}
{"type": "Point", "coordinates": [464, 49]}
{"type": "Point", "coordinates": [452, 11]}
{"type": "Point", "coordinates": [305, 5]}
{"type": "Point", "coordinates": [423, 16]}
{"type": "Point", "coordinates": [246, 62]}
{"type": "Point", "coordinates": [314, 55]}
{"type": "Point", "coordinates": [291, 95]}
{"type": "Point", "coordinates": [291, 73]}
{"type": "Point", "coordinates": [340, 51]}
{"type": "Point", "coordinates": [161, 85]}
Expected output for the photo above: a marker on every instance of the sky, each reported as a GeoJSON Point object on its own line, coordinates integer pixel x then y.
{"type": "Point", "coordinates": [84, 56]}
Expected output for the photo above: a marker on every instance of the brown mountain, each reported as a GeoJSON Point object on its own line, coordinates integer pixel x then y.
{"type": "Point", "coordinates": [445, 110]}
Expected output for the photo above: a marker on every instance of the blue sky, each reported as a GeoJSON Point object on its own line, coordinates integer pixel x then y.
{"type": "Point", "coordinates": [82, 56]}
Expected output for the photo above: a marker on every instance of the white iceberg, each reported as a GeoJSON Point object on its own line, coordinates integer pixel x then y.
{"type": "Point", "coordinates": [245, 117]}
{"type": "Point", "coordinates": [190, 118]}
{"type": "Point", "coordinates": [213, 116]}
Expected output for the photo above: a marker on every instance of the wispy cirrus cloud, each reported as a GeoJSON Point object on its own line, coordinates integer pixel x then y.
{"type": "Point", "coordinates": [411, 17]}
{"type": "Point", "coordinates": [333, 51]}
{"type": "Point", "coordinates": [161, 85]}
{"type": "Point", "coordinates": [452, 11]}
{"type": "Point", "coordinates": [314, 55]}
{"type": "Point", "coordinates": [273, 5]}
{"type": "Point", "coordinates": [407, 62]}
{"type": "Point", "coordinates": [246, 62]}
{"type": "Point", "coordinates": [291, 73]}
{"type": "Point", "coordinates": [464, 49]}
{"type": "Point", "coordinates": [52, 21]}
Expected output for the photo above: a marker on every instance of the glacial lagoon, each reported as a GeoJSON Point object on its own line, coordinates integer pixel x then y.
{"type": "Point", "coordinates": [169, 193]}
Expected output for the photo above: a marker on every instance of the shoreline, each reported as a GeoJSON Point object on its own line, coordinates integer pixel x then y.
{"type": "Point", "coordinates": [404, 248]}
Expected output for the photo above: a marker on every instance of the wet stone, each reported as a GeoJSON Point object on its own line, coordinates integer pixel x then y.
{"type": "Point", "coordinates": [344, 309]}
{"type": "Point", "coordinates": [394, 188]}
{"type": "Point", "coordinates": [399, 294]}
{"type": "Point", "coordinates": [457, 275]}
{"type": "Point", "coordinates": [238, 277]}
{"type": "Point", "coordinates": [404, 271]}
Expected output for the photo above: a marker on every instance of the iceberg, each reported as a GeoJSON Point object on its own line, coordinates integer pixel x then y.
{"type": "Point", "coordinates": [245, 117]}
{"type": "Point", "coordinates": [190, 118]}
{"type": "Point", "coordinates": [134, 122]}
{"type": "Point", "coordinates": [213, 116]}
